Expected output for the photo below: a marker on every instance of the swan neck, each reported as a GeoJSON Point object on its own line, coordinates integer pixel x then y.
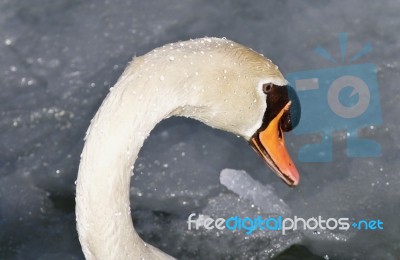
{"type": "Point", "coordinates": [114, 138]}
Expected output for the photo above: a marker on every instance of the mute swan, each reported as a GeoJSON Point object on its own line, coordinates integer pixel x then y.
{"type": "Point", "coordinates": [217, 81]}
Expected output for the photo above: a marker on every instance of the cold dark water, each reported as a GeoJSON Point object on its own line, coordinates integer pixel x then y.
{"type": "Point", "coordinates": [58, 61]}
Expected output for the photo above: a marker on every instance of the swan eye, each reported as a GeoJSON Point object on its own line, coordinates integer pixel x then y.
{"type": "Point", "coordinates": [267, 87]}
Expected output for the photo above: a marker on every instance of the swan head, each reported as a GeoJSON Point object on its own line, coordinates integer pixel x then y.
{"type": "Point", "coordinates": [280, 112]}
{"type": "Point", "coordinates": [241, 91]}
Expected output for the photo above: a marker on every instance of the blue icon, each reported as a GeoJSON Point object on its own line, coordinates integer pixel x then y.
{"type": "Point", "coordinates": [342, 98]}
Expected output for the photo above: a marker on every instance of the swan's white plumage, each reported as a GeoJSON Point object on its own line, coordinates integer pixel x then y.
{"type": "Point", "coordinates": [216, 81]}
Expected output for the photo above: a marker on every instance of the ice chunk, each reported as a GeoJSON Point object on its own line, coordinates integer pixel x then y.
{"type": "Point", "coordinates": [261, 195]}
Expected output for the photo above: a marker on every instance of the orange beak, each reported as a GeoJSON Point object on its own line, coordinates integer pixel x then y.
{"type": "Point", "coordinates": [270, 145]}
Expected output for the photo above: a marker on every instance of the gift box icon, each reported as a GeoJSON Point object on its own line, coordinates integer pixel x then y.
{"type": "Point", "coordinates": [341, 98]}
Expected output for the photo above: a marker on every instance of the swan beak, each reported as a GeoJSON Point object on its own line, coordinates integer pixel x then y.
{"type": "Point", "coordinates": [270, 145]}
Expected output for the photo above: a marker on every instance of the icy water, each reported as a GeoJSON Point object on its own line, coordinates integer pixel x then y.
{"type": "Point", "coordinates": [58, 61]}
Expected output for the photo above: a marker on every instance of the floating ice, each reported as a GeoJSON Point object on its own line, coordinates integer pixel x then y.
{"type": "Point", "coordinates": [261, 195]}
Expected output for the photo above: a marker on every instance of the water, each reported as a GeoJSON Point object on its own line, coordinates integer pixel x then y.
{"type": "Point", "coordinates": [59, 60]}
